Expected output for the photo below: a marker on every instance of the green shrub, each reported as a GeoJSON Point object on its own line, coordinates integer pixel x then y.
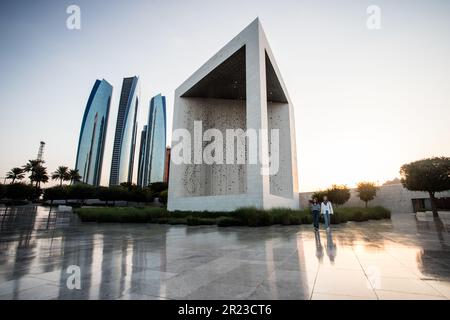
{"type": "Point", "coordinates": [306, 219]}
{"type": "Point", "coordinates": [132, 215]}
{"type": "Point", "coordinates": [335, 218]}
{"type": "Point", "coordinates": [2, 191]}
{"type": "Point", "coordinates": [379, 212]}
{"type": "Point", "coordinates": [290, 217]}
{"type": "Point", "coordinates": [149, 197]}
{"type": "Point", "coordinates": [81, 192]}
{"type": "Point", "coordinates": [374, 214]}
{"type": "Point", "coordinates": [263, 219]}
{"type": "Point", "coordinates": [196, 221]}
{"type": "Point", "coordinates": [359, 216]}
{"type": "Point", "coordinates": [22, 191]}
{"type": "Point", "coordinates": [367, 191]}
{"type": "Point", "coordinates": [319, 195]}
{"type": "Point", "coordinates": [176, 221]}
{"type": "Point", "coordinates": [162, 220]}
{"type": "Point", "coordinates": [246, 215]}
{"type": "Point", "coordinates": [163, 197]}
{"type": "Point", "coordinates": [201, 214]}
{"type": "Point", "coordinates": [111, 194]}
{"type": "Point", "coordinates": [383, 212]}
{"type": "Point", "coordinates": [342, 215]}
{"type": "Point", "coordinates": [137, 195]}
{"type": "Point", "coordinates": [285, 218]}
{"type": "Point", "coordinates": [228, 222]}
{"type": "Point", "coordinates": [253, 217]}
{"type": "Point", "coordinates": [338, 194]}
{"type": "Point", "coordinates": [158, 187]}
{"type": "Point", "coordinates": [301, 217]}
{"type": "Point", "coordinates": [56, 193]}
{"type": "Point", "coordinates": [281, 216]}
{"type": "Point", "coordinates": [242, 217]}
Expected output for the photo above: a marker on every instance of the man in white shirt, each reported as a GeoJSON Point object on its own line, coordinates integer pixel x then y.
{"type": "Point", "coordinates": [326, 209]}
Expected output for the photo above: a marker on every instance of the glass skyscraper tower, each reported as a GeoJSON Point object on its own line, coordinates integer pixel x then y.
{"type": "Point", "coordinates": [142, 156]}
{"type": "Point", "coordinates": [153, 144]}
{"type": "Point", "coordinates": [91, 143]}
{"type": "Point", "coordinates": [125, 137]}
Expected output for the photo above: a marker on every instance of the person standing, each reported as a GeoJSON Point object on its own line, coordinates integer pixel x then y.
{"type": "Point", "coordinates": [326, 209]}
{"type": "Point", "coordinates": [315, 210]}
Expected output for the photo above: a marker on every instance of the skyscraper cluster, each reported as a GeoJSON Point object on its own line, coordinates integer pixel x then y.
{"type": "Point", "coordinates": [151, 158]}
{"type": "Point", "coordinates": [153, 144]}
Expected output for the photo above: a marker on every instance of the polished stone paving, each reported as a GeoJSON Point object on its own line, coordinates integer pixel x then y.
{"type": "Point", "coordinates": [405, 258]}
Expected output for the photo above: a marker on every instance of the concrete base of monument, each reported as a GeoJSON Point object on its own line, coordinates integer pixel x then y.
{"type": "Point", "coordinates": [229, 203]}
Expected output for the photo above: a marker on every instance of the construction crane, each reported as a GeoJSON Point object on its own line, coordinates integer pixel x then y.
{"type": "Point", "coordinates": [40, 155]}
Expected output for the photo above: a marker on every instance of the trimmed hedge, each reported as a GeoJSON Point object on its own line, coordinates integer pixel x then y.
{"type": "Point", "coordinates": [228, 222]}
{"type": "Point", "coordinates": [2, 191]}
{"type": "Point", "coordinates": [108, 194]}
{"type": "Point", "coordinates": [21, 192]}
{"type": "Point", "coordinates": [343, 215]}
{"type": "Point", "coordinates": [251, 217]}
{"type": "Point", "coordinates": [197, 221]}
{"type": "Point", "coordinates": [163, 197]}
{"type": "Point", "coordinates": [121, 214]}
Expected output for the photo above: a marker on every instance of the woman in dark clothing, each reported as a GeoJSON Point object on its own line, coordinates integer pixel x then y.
{"type": "Point", "coordinates": [315, 210]}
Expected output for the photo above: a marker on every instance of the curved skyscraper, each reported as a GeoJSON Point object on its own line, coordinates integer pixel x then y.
{"type": "Point", "coordinates": [153, 142]}
{"type": "Point", "coordinates": [91, 143]}
{"type": "Point", "coordinates": [125, 136]}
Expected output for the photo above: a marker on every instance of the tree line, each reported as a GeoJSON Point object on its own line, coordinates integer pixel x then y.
{"type": "Point", "coordinates": [74, 190]}
{"type": "Point", "coordinates": [125, 192]}
{"type": "Point", "coordinates": [18, 192]}
{"type": "Point", "coordinates": [37, 174]}
{"type": "Point", "coordinates": [340, 194]}
{"type": "Point", "coordinates": [430, 175]}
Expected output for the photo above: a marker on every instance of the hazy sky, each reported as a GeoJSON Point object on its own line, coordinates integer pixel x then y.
{"type": "Point", "coordinates": [366, 101]}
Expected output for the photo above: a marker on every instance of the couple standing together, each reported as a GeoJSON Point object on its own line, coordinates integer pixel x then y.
{"type": "Point", "coordinates": [325, 208]}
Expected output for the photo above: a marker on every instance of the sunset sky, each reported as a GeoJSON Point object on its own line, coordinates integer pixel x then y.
{"type": "Point", "coordinates": [366, 101]}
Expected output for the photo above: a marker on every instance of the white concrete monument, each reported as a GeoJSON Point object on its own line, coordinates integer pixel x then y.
{"type": "Point", "coordinates": [237, 94]}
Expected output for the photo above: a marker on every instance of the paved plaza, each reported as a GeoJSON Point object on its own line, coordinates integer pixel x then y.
{"type": "Point", "coordinates": [405, 258]}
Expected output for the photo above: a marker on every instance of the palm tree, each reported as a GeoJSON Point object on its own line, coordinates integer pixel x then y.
{"type": "Point", "coordinates": [61, 174]}
{"type": "Point", "coordinates": [31, 168]}
{"type": "Point", "coordinates": [39, 176]}
{"type": "Point", "coordinates": [74, 176]}
{"type": "Point", "coordinates": [15, 174]}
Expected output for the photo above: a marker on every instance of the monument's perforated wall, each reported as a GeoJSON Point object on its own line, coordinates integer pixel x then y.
{"type": "Point", "coordinates": [213, 179]}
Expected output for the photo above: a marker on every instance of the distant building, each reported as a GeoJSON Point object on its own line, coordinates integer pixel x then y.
{"type": "Point", "coordinates": [125, 137]}
{"type": "Point", "coordinates": [91, 142]}
{"type": "Point", "coordinates": [393, 197]}
{"type": "Point", "coordinates": [153, 152]}
{"type": "Point", "coordinates": [167, 165]}
{"type": "Point", "coordinates": [142, 156]}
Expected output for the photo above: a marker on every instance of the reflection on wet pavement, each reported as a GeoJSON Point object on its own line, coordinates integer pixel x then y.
{"type": "Point", "coordinates": [406, 258]}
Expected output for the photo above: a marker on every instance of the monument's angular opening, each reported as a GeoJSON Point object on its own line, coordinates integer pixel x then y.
{"type": "Point", "coordinates": [218, 101]}
{"type": "Point", "coordinates": [240, 90]}
{"type": "Point", "coordinates": [226, 81]}
{"type": "Point", "coordinates": [275, 91]}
